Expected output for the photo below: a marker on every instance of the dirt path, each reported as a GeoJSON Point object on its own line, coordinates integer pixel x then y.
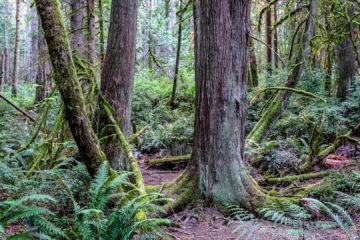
{"type": "Point", "coordinates": [209, 224]}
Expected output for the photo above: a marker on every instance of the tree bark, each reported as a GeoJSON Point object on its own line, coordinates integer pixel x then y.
{"type": "Point", "coordinates": [221, 61]}
{"type": "Point", "coordinates": [276, 58]}
{"type": "Point", "coordinates": [6, 43]}
{"type": "Point", "coordinates": [91, 31]}
{"type": "Point", "coordinates": [346, 68]}
{"type": "Point", "coordinates": [41, 75]}
{"type": "Point", "coordinates": [263, 127]}
{"type": "Point", "coordinates": [68, 84]}
{"type": "Point", "coordinates": [253, 74]}
{"type": "Point", "coordinates": [177, 61]}
{"type": "Point", "coordinates": [2, 70]}
{"type": "Point", "coordinates": [77, 32]}
{"type": "Point", "coordinates": [117, 79]}
{"type": "Point", "coordinates": [170, 16]}
{"type": "Point", "coordinates": [16, 50]}
{"type": "Point", "coordinates": [34, 44]}
{"type": "Point", "coordinates": [268, 40]}
{"type": "Point", "coordinates": [101, 29]}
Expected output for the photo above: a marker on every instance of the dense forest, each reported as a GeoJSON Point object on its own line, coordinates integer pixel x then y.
{"type": "Point", "coordinates": [180, 119]}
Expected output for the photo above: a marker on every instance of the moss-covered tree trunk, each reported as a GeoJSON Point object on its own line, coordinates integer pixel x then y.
{"type": "Point", "coordinates": [221, 60]}
{"type": "Point", "coordinates": [302, 52]}
{"type": "Point", "coordinates": [253, 74]}
{"type": "Point", "coordinates": [66, 80]}
{"type": "Point", "coordinates": [117, 79]}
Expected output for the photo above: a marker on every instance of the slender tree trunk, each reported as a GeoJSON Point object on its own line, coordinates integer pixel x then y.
{"type": "Point", "coordinates": [328, 71]}
{"type": "Point", "coordinates": [101, 29]}
{"type": "Point", "coordinates": [276, 58]}
{"type": "Point", "coordinates": [17, 50]}
{"type": "Point", "coordinates": [170, 16]}
{"type": "Point", "coordinates": [117, 79]}
{"type": "Point", "coordinates": [263, 127]}
{"type": "Point", "coordinates": [177, 62]}
{"type": "Point", "coordinates": [328, 61]}
{"type": "Point", "coordinates": [268, 41]}
{"type": "Point", "coordinates": [77, 32]}
{"type": "Point", "coordinates": [68, 84]}
{"type": "Point", "coordinates": [34, 44]}
{"type": "Point", "coordinates": [91, 31]}
{"type": "Point", "coordinates": [2, 70]}
{"type": "Point", "coordinates": [253, 74]}
{"type": "Point", "coordinates": [158, 42]}
{"type": "Point", "coordinates": [6, 43]}
{"type": "Point", "coordinates": [40, 77]}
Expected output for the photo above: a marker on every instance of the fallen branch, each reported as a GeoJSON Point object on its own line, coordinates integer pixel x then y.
{"type": "Point", "coordinates": [300, 177]}
{"type": "Point", "coordinates": [171, 159]}
{"type": "Point", "coordinates": [18, 108]}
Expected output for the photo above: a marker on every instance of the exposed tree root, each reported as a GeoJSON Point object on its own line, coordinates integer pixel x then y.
{"type": "Point", "coordinates": [171, 159]}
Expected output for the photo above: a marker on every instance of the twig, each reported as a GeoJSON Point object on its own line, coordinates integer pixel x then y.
{"type": "Point", "coordinates": [277, 54]}
{"type": "Point", "coordinates": [18, 108]}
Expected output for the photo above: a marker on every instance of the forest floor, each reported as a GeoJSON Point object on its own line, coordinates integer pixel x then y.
{"type": "Point", "coordinates": [208, 223]}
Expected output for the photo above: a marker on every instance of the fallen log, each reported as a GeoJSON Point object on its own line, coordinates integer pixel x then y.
{"type": "Point", "coordinates": [301, 177]}
{"type": "Point", "coordinates": [171, 159]}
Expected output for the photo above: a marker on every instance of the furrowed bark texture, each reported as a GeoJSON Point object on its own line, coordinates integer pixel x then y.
{"type": "Point", "coordinates": [221, 89]}
{"type": "Point", "coordinates": [117, 79]}
{"type": "Point", "coordinates": [66, 80]}
{"type": "Point", "coordinates": [263, 127]}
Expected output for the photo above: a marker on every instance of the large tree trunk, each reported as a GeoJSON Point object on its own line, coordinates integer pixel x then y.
{"type": "Point", "coordinates": [268, 40]}
{"type": "Point", "coordinates": [117, 79]}
{"type": "Point", "coordinates": [263, 127]}
{"type": "Point", "coordinates": [17, 50]}
{"type": "Point", "coordinates": [346, 62]}
{"type": "Point", "coordinates": [346, 68]}
{"type": "Point", "coordinates": [68, 84]}
{"type": "Point", "coordinates": [91, 31]}
{"type": "Point", "coordinates": [77, 32]}
{"type": "Point", "coordinates": [6, 43]}
{"type": "Point", "coordinates": [177, 61]}
{"type": "Point", "coordinates": [221, 60]}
